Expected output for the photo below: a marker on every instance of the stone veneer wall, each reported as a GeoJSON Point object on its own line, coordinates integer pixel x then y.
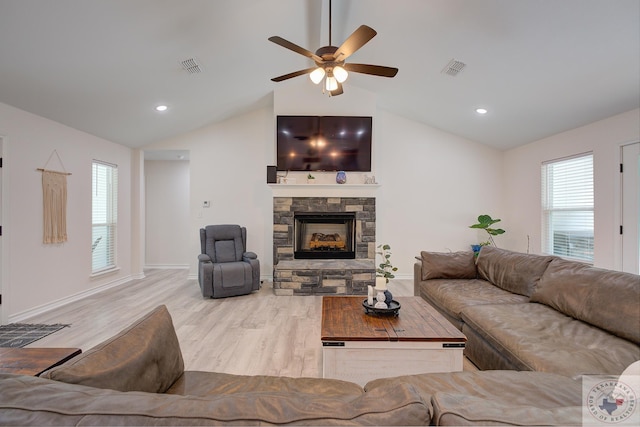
{"type": "Point", "coordinates": [313, 277]}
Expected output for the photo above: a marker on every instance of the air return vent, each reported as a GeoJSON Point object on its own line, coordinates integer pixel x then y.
{"type": "Point", "coordinates": [453, 68]}
{"type": "Point", "coordinates": [191, 66]}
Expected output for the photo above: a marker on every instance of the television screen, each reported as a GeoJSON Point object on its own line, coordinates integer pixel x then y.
{"type": "Point", "coordinates": [324, 143]}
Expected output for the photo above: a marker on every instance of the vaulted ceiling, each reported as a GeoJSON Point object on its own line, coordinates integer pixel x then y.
{"type": "Point", "coordinates": [538, 66]}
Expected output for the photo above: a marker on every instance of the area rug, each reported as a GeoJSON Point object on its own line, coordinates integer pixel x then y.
{"type": "Point", "coordinates": [21, 334]}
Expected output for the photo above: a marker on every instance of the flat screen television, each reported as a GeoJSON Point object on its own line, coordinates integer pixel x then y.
{"type": "Point", "coordinates": [324, 143]}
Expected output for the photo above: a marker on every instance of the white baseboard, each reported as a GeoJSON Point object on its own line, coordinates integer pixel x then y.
{"type": "Point", "coordinates": [167, 266]}
{"type": "Point", "coordinates": [18, 317]}
{"type": "Point", "coordinates": [265, 278]}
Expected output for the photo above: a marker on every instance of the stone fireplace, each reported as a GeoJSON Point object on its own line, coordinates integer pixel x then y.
{"type": "Point", "coordinates": [323, 245]}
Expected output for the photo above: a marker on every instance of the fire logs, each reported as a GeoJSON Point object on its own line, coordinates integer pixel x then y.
{"type": "Point", "coordinates": [326, 241]}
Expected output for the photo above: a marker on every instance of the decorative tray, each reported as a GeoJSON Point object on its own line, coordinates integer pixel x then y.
{"type": "Point", "coordinates": [393, 309]}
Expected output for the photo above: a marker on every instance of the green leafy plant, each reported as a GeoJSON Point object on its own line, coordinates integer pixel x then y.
{"type": "Point", "coordinates": [311, 176]}
{"type": "Point", "coordinates": [385, 268]}
{"type": "Point", "coordinates": [485, 222]}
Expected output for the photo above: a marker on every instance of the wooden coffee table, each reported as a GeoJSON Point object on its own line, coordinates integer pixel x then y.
{"type": "Point", "coordinates": [33, 361]}
{"type": "Point", "coordinates": [360, 347]}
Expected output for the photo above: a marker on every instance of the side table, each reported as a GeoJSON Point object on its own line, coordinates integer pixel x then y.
{"type": "Point", "coordinates": [33, 361]}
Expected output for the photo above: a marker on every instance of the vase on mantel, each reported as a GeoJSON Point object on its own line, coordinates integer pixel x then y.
{"type": "Point", "coordinates": [341, 177]}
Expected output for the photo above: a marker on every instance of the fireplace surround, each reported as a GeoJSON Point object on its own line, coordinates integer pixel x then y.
{"type": "Point", "coordinates": [324, 235]}
{"type": "Point", "coordinates": [299, 270]}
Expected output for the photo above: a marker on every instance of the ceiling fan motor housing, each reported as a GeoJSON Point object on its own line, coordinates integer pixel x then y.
{"type": "Point", "coordinates": [326, 53]}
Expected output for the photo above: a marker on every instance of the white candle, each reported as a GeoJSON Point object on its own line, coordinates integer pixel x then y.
{"type": "Point", "coordinates": [381, 284]}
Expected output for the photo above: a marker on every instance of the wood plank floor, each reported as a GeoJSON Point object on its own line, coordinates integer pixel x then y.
{"type": "Point", "coordinates": [257, 334]}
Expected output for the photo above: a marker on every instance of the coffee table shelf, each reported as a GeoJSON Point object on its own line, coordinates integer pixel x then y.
{"type": "Point", "coordinates": [359, 347]}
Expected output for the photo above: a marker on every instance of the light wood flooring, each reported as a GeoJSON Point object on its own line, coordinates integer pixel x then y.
{"type": "Point", "coordinates": [256, 334]}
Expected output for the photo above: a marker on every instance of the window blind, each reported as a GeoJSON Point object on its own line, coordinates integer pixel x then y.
{"type": "Point", "coordinates": [104, 216]}
{"type": "Point", "coordinates": [567, 207]}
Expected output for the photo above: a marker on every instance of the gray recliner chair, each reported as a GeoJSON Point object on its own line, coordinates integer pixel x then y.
{"type": "Point", "coordinates": [225, 268]}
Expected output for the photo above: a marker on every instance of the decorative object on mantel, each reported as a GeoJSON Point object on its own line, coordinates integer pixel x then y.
{"type": "Point", "coordinates": [485, 222]}
{"type": "Point", "coordinates": [341, 177]}
{"type": "Point", "coordinates": [370, 179]}
{"type": "Point", "coordinates": [54, 202]}
{"type": "Point", "coordinates": [311, 179]}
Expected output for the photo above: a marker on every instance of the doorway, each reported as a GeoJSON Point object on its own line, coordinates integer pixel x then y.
{"type": "Point", "coordinates": [167, 209]}
{"type": "Point", "coordinates": [630, 200]}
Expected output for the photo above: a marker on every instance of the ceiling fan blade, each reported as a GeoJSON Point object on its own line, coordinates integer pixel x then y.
{"type": "Point", "coordinates": [337, 91]}
{"type": "Point", "coordinates": [294, 47]}
{"type": "Point", "coordinates": [292, 75]}
{"type": "Point", "coordinates": [374, 70]}
{"type": "Point", "coordinates": [354, 42]}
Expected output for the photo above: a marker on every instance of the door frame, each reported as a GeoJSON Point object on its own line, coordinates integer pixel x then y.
{"type": "Point", "coordinates": [630, 225]}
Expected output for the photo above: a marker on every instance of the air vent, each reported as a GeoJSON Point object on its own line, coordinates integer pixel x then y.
{"type": "Point", "coordinates": [191, 66]}
{"type": "Point", "coordinates": [453, 68]}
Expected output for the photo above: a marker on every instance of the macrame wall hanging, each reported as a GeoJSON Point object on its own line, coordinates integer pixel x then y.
{"type": "Point", "coordinates": [54, 202]}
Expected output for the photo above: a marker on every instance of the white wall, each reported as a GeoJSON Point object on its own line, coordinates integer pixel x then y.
{"type": "Point", "coordinates": [522, 183]}
{"type": "Point", "coordinates": [228, 168]}
{"type": "Point", "coordinates": [36, 275]}
{"type": "Point", "coordinates": [433, 184]}
{"type": "Point", "coordinates": [167, 213]}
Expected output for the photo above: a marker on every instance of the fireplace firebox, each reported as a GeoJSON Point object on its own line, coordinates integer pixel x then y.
{"type": "Point", "coordinates": [324, 235]}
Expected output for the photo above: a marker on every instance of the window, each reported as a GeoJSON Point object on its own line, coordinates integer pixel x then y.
{"type": "Point", "coordinates": [567, 207]}
{"type": "Point", "coordinates": [104, 190]}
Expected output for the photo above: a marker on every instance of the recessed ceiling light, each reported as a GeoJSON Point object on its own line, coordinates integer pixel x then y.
{"type": "Point", "coordinates": [482, 110]}
{"type": "Point", "coordinates": [161, 108]}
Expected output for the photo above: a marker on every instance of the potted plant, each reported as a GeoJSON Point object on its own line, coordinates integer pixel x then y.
{"type": "Point", "coordinates": [384, 272]}
{"type": "Point", "coordinates": [310, 179]}
{"type": "Point", "coordinates": [485, 222]}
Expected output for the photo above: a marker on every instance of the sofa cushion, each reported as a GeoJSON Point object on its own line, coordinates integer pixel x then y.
{"type": "Point", "coordinates": [451, 296]}
{"type": "Point", "coordinates": [530, 398]}
{"type": "Point", "coordinates": [198, 383]}
{"type": "Point", "coordinates": [145, 356]}
{"type": "Point", "coordinates": [37, 401]}
{"type": "Point", "coordinates": [538, 338]}
{"type": "Point", "coordinates": [512, 271]}
{"type": "Point", "coordinates": [452, 265]}
{"type": "Point", "coordinates": [607, 299]}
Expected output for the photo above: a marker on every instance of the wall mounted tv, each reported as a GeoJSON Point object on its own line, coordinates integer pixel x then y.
{"type": "Point", "coordinates": [324, 143]}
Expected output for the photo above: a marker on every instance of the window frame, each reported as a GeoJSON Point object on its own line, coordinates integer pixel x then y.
{"type": "Point", "coordinates": [571, 202]}
{"type": "Point", "coordinates": [107, 208]}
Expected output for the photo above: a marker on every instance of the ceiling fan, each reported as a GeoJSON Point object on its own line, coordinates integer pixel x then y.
{"type": "Point", "coordinates": [330, 60]}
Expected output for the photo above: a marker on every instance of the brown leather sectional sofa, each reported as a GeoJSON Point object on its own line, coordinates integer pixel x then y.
{"type": "Point", "coordinates": [535, 313]}
{"type": "Point", "coordinates": [138, 378]}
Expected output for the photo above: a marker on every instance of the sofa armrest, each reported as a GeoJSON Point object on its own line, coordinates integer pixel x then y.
{"type": "Point", "coordinates": [417, 278]}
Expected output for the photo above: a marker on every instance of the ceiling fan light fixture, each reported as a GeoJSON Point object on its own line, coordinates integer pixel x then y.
{"type": "Point", "coordinates": [317, 75]}
{"type": "Point", "coordinates": [331, 84]}
{"type": "Point", "coordinates": [340, 74]}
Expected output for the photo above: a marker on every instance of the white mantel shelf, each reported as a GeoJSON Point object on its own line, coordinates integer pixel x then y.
{"type": "Point", "coordinates": [324, 190]}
